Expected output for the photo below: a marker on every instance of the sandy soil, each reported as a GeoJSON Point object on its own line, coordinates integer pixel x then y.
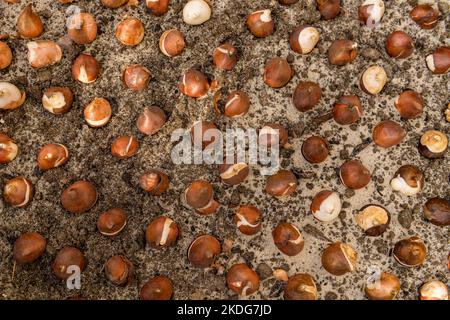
{"type": "Point", "coordinates": [117, 180]}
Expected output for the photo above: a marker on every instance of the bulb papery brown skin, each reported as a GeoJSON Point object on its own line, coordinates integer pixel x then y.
{"type": "Point", "coordinates": [11, 97]}
{"type": "Point", "coordinates": [8, 149]}
{"type": "Point", "coordinates": [370, 12]}
{"type": "Point", "coordinates": [124, 147]}
{"type": "Point", "coordinates": [373, 80]}
{"type": "Point", "coordinates": [409, 104]}
{"type": "Point", "coordinates": [52, 155]}
{"type": "Point", "coordinates": [354, 174]}
{"type": "Point", "coordinates": [271, 134]}
{"type": "Point", "coordinates": [172, 43]}
{"type": "Point", "coordinates": [154, 182]}
{"type": "Point", "coordinates": [288, 239]}
{"type": "Point", "coordinates": [315, 149]}
{"type": "Point", "coordinates": [260, 23]}
{"type": "Point", "coordinates": [373, 219]}
{"type": "Point", "coordinates": [433, 144]}
{"type": "Point", "coordinates": [425, 16]}
{"type": "Point", "coordinates": [437, 211]}
{"type": "Point", "coordinates": [237, 104]}
{"type": "Point", "coordinates": [329, 9]}
{"type": "Point", "coordinates": [158, 7]}
{"type": "Point", "coordinates": [388, 133]}
{"type": "Point", "coordinates": [43, 53]}
{"type": "Point", "coordinates": [114, 4]}
{"type": "Point", "coordinates": [281, 184]}
{"type": "Point", "coordinates": [277, 72]}
{"type": "Point", "coordinates": [339, 258]}
{"type": "Point", "coordinates": [82, 28]}
{"type": "Point", "coordinates": [248, 219]}
{"type": "Point", "coordinates": [29, 247]}
{"type": "Point", "coordinates": [439, 61]}
{"type": "Point", "coordinates": [79, 197]}
{"type": "Point", "coordinates": [306, 95]}
{"type": "Point", "coordinates": [162, 232]}
{"type": "Point", "coordinates": [194, 84]}
{"type": "Point", "coordinates": [29, 25]}
{"type": "Point", "coordinates": [203, 251]}
{"type": "Point", "coordinates": [410, 252]}
{"type": "Point", "coordinates": [408, 180]}
{"type": "Point", "coordinates": [85, 68]}
{"type": "Point", "coordinates": [304, 39]}
{"type": "Point", "coordinates": [399, 45]}
{"type": "Point", "coordinates": [342, 52]}
{"type": "Point", "coordinates": [204, 134]}
{"type": "Point", "coordinates": [136, 77]}
{"type": "Point", "coordinates": [66, 259]}
{"type": "Point", "coordinates": [119, 270]}
{"type": "Point", "coordinates": [57, 100]}
{"type": "Point", "coordinates": [242, 280]}
{"type": "Point", "coordinates": [386, 287]}
{"type": "Point", "coordinates": [233, 172]}
{"type": "Point", "coordinates": [130, 32]}
{"type": "Point", "coordinates": [433, 290]}
{"type": "Point", "coordinates": [151, 120]}
{"type": "Point", "coordinates": [199, 195]}
{"type": "Point", "coordinates": [157, 288]}
{"type": "Point", "coordinates": [6, 55]}
{"type": "Point", "coordinates": [97, 113]}
{"type": "Point", "coordinates": [112, 222]}
{"type": "Point", "coordinates": [18, 192]}
{"type": "Point", "coordinates": [347, 110]}
{"type": "Point", "coordinates": [300, 286]}
{"type": "Point", "coordinates": [326, 206]}
{"type": "Point", "coordinates": [225, 57]}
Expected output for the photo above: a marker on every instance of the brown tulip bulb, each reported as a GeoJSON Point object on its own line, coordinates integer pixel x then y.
{"type": "Point", "coordinates": [373, 80]}
{"type": "Point", "coordinates": [329, 9]}
{"type": "Point", "coordinates": [237, 104]}
{"type": "Point", "coordinates": [354, 174]}
{"type": "Point", "coordinates": [130, 32]}
{"type": "Point", "coordinates": [248, 219]}
{"type": "Point", "coordinates": [386, 287]}
{"type": "Point", "coordinates": [306, 95]}
{"type": "Point", "coordinates": [288, 239]}
{"type": "Point", "coordinates": [271, 134]}
{"type": "Point", "coordinates": [157, 288]}
{"type": "Point", "coordinates": [326, 206]}
{"type": "Point", "coordinates": [136, 77]}
{"type": "Point", "coordinates": [300, 287]}
{"type": "Point", "coordinates": [370, 12]}
{"type": "Point", "coordinates": [52, 155]}
{"type": "Point", "coordinates": [204, 134]}
{"type": "Point", "coordinates": [409, 104]}
{"type": "Point", "coordinates": [85, 68]}
{"type": "Point", "coordinates": [342, 52]}
{"type": "Point", "coordinates": [43, 53]}
{"type": "Point", "coordinates": [57, 100]}
{"type": "Point", "coordinates": [8, 149]}
{"type": "Point", "coordinates": [281, 184]}
{"type": "Point", "coordinates": [425, 16]}
{"type": "Point", "coordinates": [408, 180]}
{"type": "Point", "coordinates": [439, 61]}
{"type": "Point", "coordinates": [373, 219]}
{"type": "Point", "coordinates": [388, 133]}
{"type": "Point", "coordinates": [277, 72]}
{"type": "Point", "coordinates": [29, 247]}
{"type": "Point", "coordinates": [124, 147]}
{"type": "Point", "coordinates": [162, 232]}
{"type": "Point", "coordinates": [151, 120]}
{"type": "Point", "coordinates": [154, 182]}
{"type": "Point", "coordinates": [233, 173]}
{"type": "Point", "coordinates": [410, 252]}
{"type": "Point", "coordinates": [11, 97]}
{"type": "Point", "coordinates": [347, 110]}
{"type": "Point", "coordinates": [65, 260]}
{"type": "Point", "coordinates": [79, 197]}
{"type": "Point", "coordinates": [114, 4]}
{"type": "Point", "coordinates": [303, 39]}
{"type": "Point", "coordinates": [437, 211]}
{"type": "Point", "coordinates": [5, 55]}
{"type": "Point", "coordinates": [18, 192]}
{"type": "Point", "coordinates": [171, 43]}
{"type": "Point", "coordinates": [433, 144]}
{"type": "Point", "coordinates": [203, 251]}
{"type": "Point", "coordinates": [119, 270]}
{"type": "Point", "coordinates": [399, 45]}
{"type": "Point", "coordinates": [97, 113]}
{"type": "Point", "coordinates": [200, 196]}
{"type": "Point", "coordinates": [194, 84]}
{"type": "Point", "coordinates": [315, 149]}
{"type": "Point", "coordinates": [225, 57]}
{"type": "Point", "coordinates": [29, 25]}
{"type": "Point", "coordinates": [242, 280]}
{"type": "Point", "coordinates": [433, 290]}
{"type": "Point", "coordinates": [158, 7]}
{"type": "Point", "coordinates": [339, 258]}
{"type": "Point", "coordinates": [82, 28]}
{"type": "Point", "coordinates": [112, 222]}
{"type": "Point", "coordinates": [260, 23]}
